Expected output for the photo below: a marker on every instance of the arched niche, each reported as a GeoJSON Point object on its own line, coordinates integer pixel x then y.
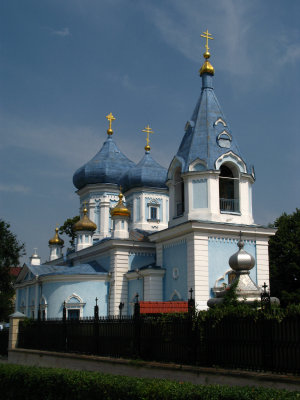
{"type": "Point", "coordinates": [229, 183]}
{"type": "Point", "coordinates": [178, 192]}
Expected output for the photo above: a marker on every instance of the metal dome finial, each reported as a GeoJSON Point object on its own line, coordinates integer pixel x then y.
{"type": "Point", "coordinates": [147, 130]}
{"type": "Point", "coordinates": [110, 118]}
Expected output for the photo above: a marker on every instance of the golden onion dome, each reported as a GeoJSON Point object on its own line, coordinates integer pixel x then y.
{"type": "Point", "coordinates": [207, 67]}
{"type": "Point", "coordinates": [56, 239]}
{"type": "Point", "coordinates": [120, 208]}
{"type": "Point", "coordinates": [84, 224]}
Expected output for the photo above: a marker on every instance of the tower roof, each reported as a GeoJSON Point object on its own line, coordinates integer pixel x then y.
{"type": "Point", "coordinates": [207, 134]}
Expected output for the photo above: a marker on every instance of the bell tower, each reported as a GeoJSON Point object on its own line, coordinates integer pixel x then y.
{"type": "Point", "coordinates": [208, 179]}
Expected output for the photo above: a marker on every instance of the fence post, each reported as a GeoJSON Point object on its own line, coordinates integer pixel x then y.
{"type": "Point", "coordinates": [191, 303]}
{"type": "Point", "coordinates": [14, 320]}
{"type": "Point", "coordinates": [137, 326]}
{"type": "Point", "coordinates": [121, 306]}
{"type": "Point", "coordinates": [96, 310]}
{"type": "Point", "coordinates": [96, 327]}
{"type": "Point", "coordinates": [192, 330]}
{"type": "Point", "coordinates": [65, 337]}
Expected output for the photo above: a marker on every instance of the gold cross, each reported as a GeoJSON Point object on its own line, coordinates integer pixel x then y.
{"type": "Point", "coordinates": [110, 118]}
{"type": "Point", "coordinates": [207, 36]}
{"type": "Point", "coordinates": [147, 130]}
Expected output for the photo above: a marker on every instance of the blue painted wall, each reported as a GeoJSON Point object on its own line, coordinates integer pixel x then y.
{"type": "Point", "coordinates": [104, 261]}
{"type": "Point", "coordinates": [140, 260]}
{"type": "Point", "coordinates": [200, 198]}
{"type": "Point", "coordinates": [56, 292]}
{"type": "Point", "coordinates": [219, 252]}
{"type": "Point", "coordinates": [175, 256]}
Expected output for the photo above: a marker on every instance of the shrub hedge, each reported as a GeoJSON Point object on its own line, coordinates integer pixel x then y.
{"type": "Point", "coordinates": [33, 383]}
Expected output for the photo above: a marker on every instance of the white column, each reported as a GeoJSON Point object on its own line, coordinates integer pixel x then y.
{"type": "Point", "coordinates": [197, 276]}
{"type": "Point", "coordinates": [214, 197]}
{"type": "Point", "coordinates": [262, 261]}
{"type": "Point", "coordinates": [104, 219]}
{"type": "Point", "coordinates": [119, 283]}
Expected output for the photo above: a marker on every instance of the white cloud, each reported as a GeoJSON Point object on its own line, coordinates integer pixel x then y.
{"type": "Point", "coordinates": [63, 32]}
{"type": "Point", "coordinates": [14, 188]}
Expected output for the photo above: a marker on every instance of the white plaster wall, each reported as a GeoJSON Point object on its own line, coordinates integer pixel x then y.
{"type": "Point", "coordinates": [120, 232]}
{"type": "Point", "coordinates": [212, 212]}
{"type": "Point", "coordinates": [143, 223]}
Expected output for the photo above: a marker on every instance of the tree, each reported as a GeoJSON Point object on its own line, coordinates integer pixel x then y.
{"type": "Point", "coordinates": [67, 228]}
{"type": "Point", "coordinates": [284, 250]}
{"type": "Point", "coordinates": [10, 252]}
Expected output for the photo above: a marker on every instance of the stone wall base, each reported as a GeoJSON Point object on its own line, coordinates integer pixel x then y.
{"type": "Point", "coordinates": [143, 369]}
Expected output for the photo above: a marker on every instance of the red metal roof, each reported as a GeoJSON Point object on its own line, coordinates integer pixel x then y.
{"type": "Point", "coordinates": [158, 307]}
{"type": "Point", "coordinates": [14, 271]}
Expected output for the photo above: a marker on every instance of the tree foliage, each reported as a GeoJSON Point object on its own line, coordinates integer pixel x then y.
{"type": "Point", "coordinates": [10, 252]}
{"type": "Point", "coordinates": [284, 250]}
{"type": "Point", "coordinates": [67, 228]}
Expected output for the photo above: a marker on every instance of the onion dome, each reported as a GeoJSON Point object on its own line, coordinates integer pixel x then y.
{"type": "Point", "coordinates": [241, 260]}
{"type": "Point", "coordinates": [106, 166]}
{"type": "Point", "coordinates": [55, 240]}
{"type": "Point", "coordinates": [147, 173]}
{"type": "Point", "coordinates": [84, 224]}
{"type": "Point", "coordinates": [120, 208]}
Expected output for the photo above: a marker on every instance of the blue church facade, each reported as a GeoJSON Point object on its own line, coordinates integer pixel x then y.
{"type": "Point", "coordinates": [164, 232]}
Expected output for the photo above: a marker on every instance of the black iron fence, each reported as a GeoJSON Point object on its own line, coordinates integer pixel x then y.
{"type": "Point", "coordinates": [266, 345]}
{"type": "Point", "coordinates": [4, 342]}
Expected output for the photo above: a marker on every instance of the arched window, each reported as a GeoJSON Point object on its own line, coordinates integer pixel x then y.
{"type": "Point", "coordinates": [179, 193]}
{"type": "Point", "coordinates": [229, 188]}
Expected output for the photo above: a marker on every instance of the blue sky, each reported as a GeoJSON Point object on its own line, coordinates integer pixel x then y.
{"type": "Point", "coordinates": [65, 64]}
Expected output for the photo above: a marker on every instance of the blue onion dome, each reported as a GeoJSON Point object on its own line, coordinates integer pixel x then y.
{"type": "Point", "coordinates": [106, 166]}
{"type": "Point", "coordinates": [147, 173]}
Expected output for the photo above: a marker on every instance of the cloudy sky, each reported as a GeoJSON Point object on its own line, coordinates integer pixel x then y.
{"type": "Point", "coordinates": [65, 64]}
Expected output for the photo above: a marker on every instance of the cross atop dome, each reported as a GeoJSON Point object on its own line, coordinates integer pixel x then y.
{"type": "Point", "coordinates": [207, 67]}
{"type": "Point", "coordinates": [110, 118]}
{"type": "Point", "coordinates": [206, 35]}
{"type": "Point", "coordinates": [147, 130]}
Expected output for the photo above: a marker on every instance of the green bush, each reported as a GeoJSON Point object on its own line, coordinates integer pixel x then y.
{"type": "Point", "coordinates": [32, 383]}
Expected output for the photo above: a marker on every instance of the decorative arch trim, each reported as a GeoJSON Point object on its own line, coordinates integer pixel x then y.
{"type": "Point", "coordinates": [175, 163]}
{"type": "Point", "coordinates": [220, 121]}
{"type": "Point", "coordinates": [73, 295]}
{"type": "Point", "coordinates": [175, 293]}
{"type": "Point", "coordinates": [198, 162]}
{"type": "Point", "coordinates": [231, 157]}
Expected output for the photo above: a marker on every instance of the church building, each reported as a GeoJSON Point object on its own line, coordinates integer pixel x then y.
{"type": "Point", "coordinates": [150, 231]}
